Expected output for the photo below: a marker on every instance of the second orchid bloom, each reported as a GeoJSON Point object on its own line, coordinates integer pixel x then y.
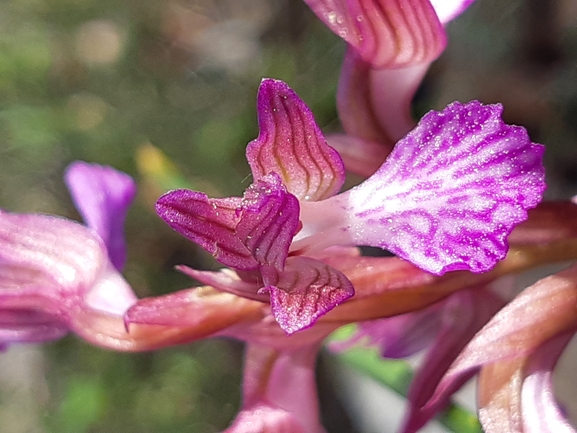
{"type": "Point", "coordinates": [445, 199]}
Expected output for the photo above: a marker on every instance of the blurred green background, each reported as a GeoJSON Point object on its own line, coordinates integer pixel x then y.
{"type": "Point", "coordinates": [115, 82]}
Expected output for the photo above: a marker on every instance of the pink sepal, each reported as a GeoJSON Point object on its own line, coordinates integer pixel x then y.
{"type": "Point", "coordinates": [385, 33]}
{"type": "Point", "coordinates": [291, 145]}
{"type": "Point", "coordinates": [211, 223]}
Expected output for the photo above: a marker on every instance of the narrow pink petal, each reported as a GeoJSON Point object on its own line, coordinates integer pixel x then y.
{"type": "Point", "coordinates": [269, 220]}
{"type": "Point", "coordinates": [102, 195]}
{"type": "Point", "coordinates": [541, 413]}
{"type": "Point", "coordinates": [304, 291]}
{"type": "Point", "coordinates": [399, 336]}
{"type": "Point", "coordinates": [225, 280]}
{"type": "Point", "coordinates": [291, 145]}
{"type": "Point", "coordinates": [385, 33]}
{"type": "Point", "coordinates": [211, 223]}
{"type": "Point", "coordinates": [447, 196]}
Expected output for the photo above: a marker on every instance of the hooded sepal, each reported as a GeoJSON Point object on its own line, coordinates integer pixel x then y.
{"type": "Point", "coordinates": [291, 145]}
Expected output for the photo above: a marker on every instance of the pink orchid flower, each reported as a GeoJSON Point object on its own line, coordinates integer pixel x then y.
{"type": "Point", "coordinates": [391, 44]}
{"type": "Point", "coordinates": [445, 199]}
{"type": "Point", "coordinates": [50, 266]}
{"type": "Point", "coordinates": [515, 354]}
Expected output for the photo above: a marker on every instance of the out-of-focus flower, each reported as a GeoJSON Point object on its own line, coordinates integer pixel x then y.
{"type": "Point", "coordinates": [391, 44]}
{"type": "Point", "coordinates": [516, 353]}
{"type": "Point", "coordinates": [443, 329]}
{"type": "Point", "coordinates": [51, 266]}
{"type": "Point", "coordinates": [445, 199]}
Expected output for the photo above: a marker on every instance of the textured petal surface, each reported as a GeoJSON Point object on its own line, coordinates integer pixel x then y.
{"type": "Point", "coordinates": [211, 223]}
{"type": "Point", "coordinates": [385, 33]}
{"type": "Point", "coordinates": [269, 220]}
{"type": "Point", "coordinates": [304, 291]}
{"type": "Point", "coordinates": [291, 145]}
{"type": "Point", "coordinates": [449, 193]}
{"type": "Point", "coordinates": [102, 195]}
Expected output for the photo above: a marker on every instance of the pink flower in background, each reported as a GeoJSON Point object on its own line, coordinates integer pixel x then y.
{"type": "Point", "coordinates": [391, 44]}
{"type": "Point", "coordinates": [445, 199]}
{"type": "Point", "coordinates": [50, 266]}
{"type": "Point", "coordinates": [515, 354]}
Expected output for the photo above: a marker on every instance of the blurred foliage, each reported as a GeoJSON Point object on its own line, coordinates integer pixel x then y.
{"type": "Point", "coordinates": [168, 86]}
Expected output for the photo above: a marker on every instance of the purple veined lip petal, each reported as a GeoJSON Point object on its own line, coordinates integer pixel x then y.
{"type": "Point", "coordinates": [102, 196]}
{"type": "Point", "coordinates": [306, 290]}
{"type": "Point", "coordinates": [448, 10]}
{"type": "Point", "coordinates": [541, 413]}
{"type": "Point", "coordinates": [269, 219]}
{"type": "Point", "coordinates": [447, 196]}
{"type": "Point", "coordinates": [211, 223]}
{"type": "Point", "coordinates": [385, 33]}
{"type": "Point", "coordinates": [40, 251]}
{"type": "Point", "coordinates": [291, 145]}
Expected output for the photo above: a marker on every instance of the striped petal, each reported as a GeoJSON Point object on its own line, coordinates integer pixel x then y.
{"type": "Point", "coordinates": [446, 198]}
{"type": "Point", "coordinates": [211, 223]}
{"type": "Point", "coordinates": [291, 145]}
{"type": "Point", "coordinates": [269, 220]}
{"type": "Point", "coordinates": [304, 291]}
{"type": "Point", "coordinates": [385, 33]}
